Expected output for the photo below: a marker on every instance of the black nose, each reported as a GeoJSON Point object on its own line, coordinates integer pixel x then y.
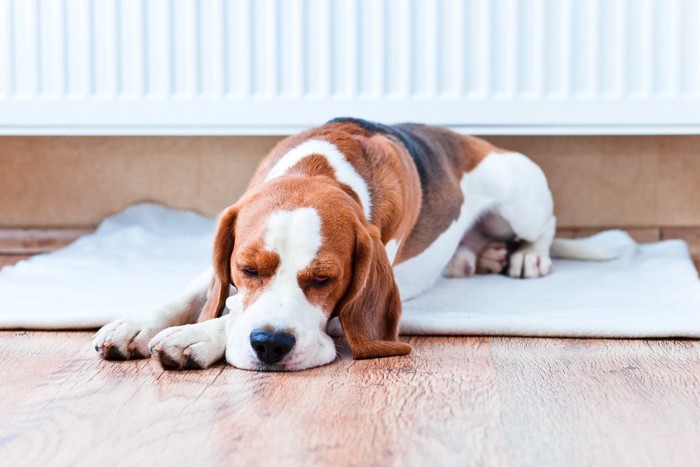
{"type": "Point", "coordinates": [271, 347]}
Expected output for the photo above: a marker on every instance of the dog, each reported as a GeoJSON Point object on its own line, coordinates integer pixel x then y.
{"type": "Point", "coordinates": [346, 221]}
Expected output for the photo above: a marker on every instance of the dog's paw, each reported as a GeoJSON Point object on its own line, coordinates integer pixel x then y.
{"type": "Point", "coordinates": [527, 263]}
{"type": "Point", "coordinates": [462, 264]}
{"type": "Point", "coordinates": [189, 347]}
{"type": "Point", "coordinates": [124, 340]}
{"type": "Point", "coordinates": [492, 259]}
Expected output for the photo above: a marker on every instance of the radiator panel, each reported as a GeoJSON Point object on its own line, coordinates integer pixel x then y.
{"type": "Point", "coordinates": [275, 66]}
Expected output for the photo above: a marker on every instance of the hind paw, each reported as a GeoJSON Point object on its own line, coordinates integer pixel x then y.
{"type": "Point", "coordinates": [462, 264]}
{"type": "Point", "coordinates": [492, 259]}
{"type": "Point", "coordinates": [527, 263]}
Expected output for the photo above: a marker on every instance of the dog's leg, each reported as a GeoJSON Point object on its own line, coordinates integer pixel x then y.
{"type": "Point", "coordinates": [192, 346]}
{"type": "Point", "coordinates": [125, 339]}
{"type": "Point", "coordinates": [528, 211]}
{"type": "Point", "coordinates": [532, 259]}
{"type": "Point", "coordinates": [522, 208]}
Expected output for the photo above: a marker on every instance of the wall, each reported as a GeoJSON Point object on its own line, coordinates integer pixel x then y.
{"type": "Point", "coordinates": [602, 181]}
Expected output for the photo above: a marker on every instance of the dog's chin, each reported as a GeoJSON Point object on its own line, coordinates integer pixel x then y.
{"type": "Point", "coordinates": [265, 368]}
{"type": "Point", "coordinates": [259, 366]}
{"type": "Point", "coordinates": [291, 364]}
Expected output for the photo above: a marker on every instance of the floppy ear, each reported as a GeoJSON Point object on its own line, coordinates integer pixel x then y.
{"type": "Point", "coordinates": [371, 308]}
{"type": "Point", "coordinates": [221, 279]}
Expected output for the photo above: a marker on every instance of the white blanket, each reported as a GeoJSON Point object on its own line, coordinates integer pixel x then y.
{"type": "Point", "coordinates": [147, 253]}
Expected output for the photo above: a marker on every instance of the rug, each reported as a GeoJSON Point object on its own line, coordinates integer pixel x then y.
{"type": "Point", "coordinates": [149, 252]}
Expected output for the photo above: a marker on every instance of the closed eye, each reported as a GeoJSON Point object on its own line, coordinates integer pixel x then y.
{"type": "Point", "coordinates": [250, 272]}
{"type": "Point", "coordinates": [321, 280]}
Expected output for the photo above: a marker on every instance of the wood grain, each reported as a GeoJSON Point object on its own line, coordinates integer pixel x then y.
{"type": "Point", "coordinates": [601, 402]}
{"type": "Point", "coordinates": [454, 401]}
{"type": "Point", "coordinates": [19, 244]}
{"type": "Point", "coordinates": [29, 241]}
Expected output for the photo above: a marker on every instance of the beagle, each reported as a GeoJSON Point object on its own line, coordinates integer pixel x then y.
{"type": "Point", "coordinates": [346, 221]}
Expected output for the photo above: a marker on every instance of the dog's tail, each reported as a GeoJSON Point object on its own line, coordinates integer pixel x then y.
{"type": "Point", "coordinates": [567, 248]}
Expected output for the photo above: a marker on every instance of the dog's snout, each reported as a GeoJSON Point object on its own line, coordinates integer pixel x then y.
{"type": "Point", "coordinates": [271, 347]}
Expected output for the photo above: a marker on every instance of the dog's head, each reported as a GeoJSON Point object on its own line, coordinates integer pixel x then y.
{"type": "Point", "coordinates": [298, 257]}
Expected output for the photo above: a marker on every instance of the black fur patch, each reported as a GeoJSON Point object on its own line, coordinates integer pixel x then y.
{"type": "Point", "coordinates": [416, 146]}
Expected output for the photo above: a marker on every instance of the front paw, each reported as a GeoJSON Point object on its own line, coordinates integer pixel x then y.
{"type": "Point", "coordinates": [124, 340]}
{"type": "Point", "coordinates": [189, 347]}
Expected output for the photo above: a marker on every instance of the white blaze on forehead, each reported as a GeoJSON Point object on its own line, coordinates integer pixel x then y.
{"type": "Point", "coordinates": [296, 237]}
{"type": "Point", "coordinates": [344, 171]}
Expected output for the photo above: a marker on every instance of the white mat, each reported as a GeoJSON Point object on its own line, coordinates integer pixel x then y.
{"type": "Point", "coordinates": [147, 253]}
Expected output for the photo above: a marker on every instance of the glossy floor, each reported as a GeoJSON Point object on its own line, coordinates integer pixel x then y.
{"type": "Point", "coordinates": [453, 401]}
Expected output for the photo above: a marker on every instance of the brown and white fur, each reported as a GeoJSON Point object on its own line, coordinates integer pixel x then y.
{"type": "Point", "coordinates": [347, 220]}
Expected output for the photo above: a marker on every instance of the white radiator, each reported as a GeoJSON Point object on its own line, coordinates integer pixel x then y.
{"type": "Point", "coordinates": [275, 66]}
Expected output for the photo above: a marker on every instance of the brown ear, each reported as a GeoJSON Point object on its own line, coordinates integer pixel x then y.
{"type": "Point", "coordinates": [221, 279]}
{"type": "Point", "coordinates": [371, 308]}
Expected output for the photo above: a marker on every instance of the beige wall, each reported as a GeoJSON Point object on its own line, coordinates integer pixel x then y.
{"type": "Point", "coordinates": [626, 181]}
{"type": "Point", "coordinates": [76, 181]}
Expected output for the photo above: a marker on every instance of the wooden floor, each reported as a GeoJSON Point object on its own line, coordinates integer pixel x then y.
{"type": "Point", "coordinates": [454, 401]}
